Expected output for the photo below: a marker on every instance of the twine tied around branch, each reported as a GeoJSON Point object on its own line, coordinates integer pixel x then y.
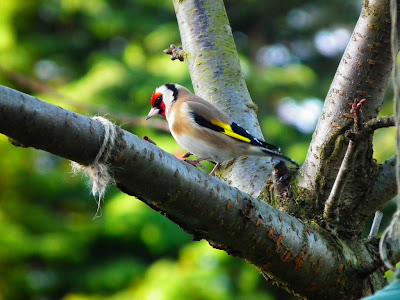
{"type": "Point", "coordinates": [98, 171]}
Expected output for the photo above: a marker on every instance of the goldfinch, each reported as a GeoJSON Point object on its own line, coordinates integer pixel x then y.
{"type": "Point", "coordinates": [204, 130]}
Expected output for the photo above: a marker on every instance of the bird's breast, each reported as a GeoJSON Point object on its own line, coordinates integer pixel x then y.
{"type": "Point", "coordinates": [202, 141]}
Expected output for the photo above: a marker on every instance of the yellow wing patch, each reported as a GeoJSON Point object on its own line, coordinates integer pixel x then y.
{"type": "Point", "coordinates": [229, 131]}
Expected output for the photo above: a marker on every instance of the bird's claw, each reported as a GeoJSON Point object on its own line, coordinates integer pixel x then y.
{"type": "Point", "coordinates": [196, 163]}
{"type": "Point", "coordinates": [215, 169]}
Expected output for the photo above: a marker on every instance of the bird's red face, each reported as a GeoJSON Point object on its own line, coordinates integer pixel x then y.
{"type": "Point", "coordinates": [157, 106]}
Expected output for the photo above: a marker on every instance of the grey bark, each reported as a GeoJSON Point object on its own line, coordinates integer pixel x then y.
{"type": "Point", "coordinates": [363, 72]}
{"type": "Point", "coordinates": [217, 77]}
{"type": "Point", "coordinates": [384, 188]}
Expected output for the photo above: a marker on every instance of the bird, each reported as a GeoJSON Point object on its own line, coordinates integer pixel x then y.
{"type": "Point", "coordinates": [204, 130]}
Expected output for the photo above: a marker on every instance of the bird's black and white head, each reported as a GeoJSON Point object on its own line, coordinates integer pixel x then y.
{"type": "Point", "coordinates": [163, 98]}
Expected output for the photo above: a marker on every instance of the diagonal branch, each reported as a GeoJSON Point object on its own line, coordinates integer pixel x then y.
{"type": "Point", "coordinates": [34, 123]}
{"type": "Point", "coordinates": [332, 207]}
{"type": "Point", "coordinates": [299, 256]}
{"type": "Point", "coordinates": [331, 210]}
{"type": "Point", "coordinates": [214, 67]}
{"type": "Point", "coordinates": [364, 71]}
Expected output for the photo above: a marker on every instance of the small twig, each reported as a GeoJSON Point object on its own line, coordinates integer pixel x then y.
{"type": "Point", "coordinates": [383, 249]}
{"type": "Point", "coordinates": [146, 138]}
{"type": "Point", "coordinates": [332, 203]}
{"type": "Point", "coordinates": [370, 126]}
{"type": "Point", "coordinates": [176, 53]}
{"type": "Point", "coordinates": [375, 227]}
{"type": "Point", "coordinates": [378, 123]}
{"type": "Point", "coordinates": [358, 117]}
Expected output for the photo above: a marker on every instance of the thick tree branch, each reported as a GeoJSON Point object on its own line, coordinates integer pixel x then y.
{"type": "Point", "coordinates": [303, 257]}
{"type": "Point", "coordinates": [364, 71]}
{"type": "Point", "coordinates": [217, 77]}
{"type": "Point", "coordinates": [21, 114]}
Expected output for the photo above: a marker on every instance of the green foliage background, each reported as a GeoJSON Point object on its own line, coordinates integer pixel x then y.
{"type": "Point", "coordinates": [102, 56]}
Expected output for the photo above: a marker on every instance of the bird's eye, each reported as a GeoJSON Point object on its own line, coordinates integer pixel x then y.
{"type": "Point", "coordinates": [158, 101]}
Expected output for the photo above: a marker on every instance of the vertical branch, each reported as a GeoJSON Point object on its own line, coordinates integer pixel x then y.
{"type": "Point", "coordinates": [212, 58]}
{"type": "Point", "coordinates": [332, 205]}
{"type": "Point", "coordinates": [217, 77]}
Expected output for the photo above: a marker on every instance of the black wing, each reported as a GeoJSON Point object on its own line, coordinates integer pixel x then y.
{"type": "Point", "coordinates": [232, 130]}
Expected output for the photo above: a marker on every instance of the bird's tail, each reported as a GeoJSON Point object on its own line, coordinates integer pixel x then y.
{"type": "Point", "coordinates": [280, 157]}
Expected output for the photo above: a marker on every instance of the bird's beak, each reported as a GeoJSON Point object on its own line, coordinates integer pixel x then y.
{"type": "Point", "coordinates": [153, 112]}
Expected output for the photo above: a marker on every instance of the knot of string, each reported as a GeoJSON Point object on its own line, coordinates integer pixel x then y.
{"type": "Point", "coordinates": [98, 171]}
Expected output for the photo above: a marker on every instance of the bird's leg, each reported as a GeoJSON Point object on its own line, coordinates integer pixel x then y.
{"type": "Point", "coordinates": [216, 168]}
{"type": "Point", "coordinates": [196, 162]}
{"type": "Point", "coordinates": [186, 155]}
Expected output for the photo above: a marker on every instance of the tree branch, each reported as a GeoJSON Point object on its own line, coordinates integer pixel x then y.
{"type": "Point", "coordinates": [217, 77]}
{"type": "Point", "coordinates": [332, 204]}
{"type": "Point", "coordinates": [376, 223]}
{"type": "Point", "coordinates": [364, 72]}
{"type": "Point", "coordinates": [332, 207]}
{"type": "Point", "coordinates": [378, 123]}
{"type": "Point", "coordinates": [383, 190]}
{"type": "Point", "coordinates": [22, 118]}
{"type": "Point", "coordinates": [302, 258]}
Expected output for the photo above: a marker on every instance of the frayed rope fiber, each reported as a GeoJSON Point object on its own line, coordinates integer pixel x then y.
{"type": "Point", "coordinates": [98, 172]}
